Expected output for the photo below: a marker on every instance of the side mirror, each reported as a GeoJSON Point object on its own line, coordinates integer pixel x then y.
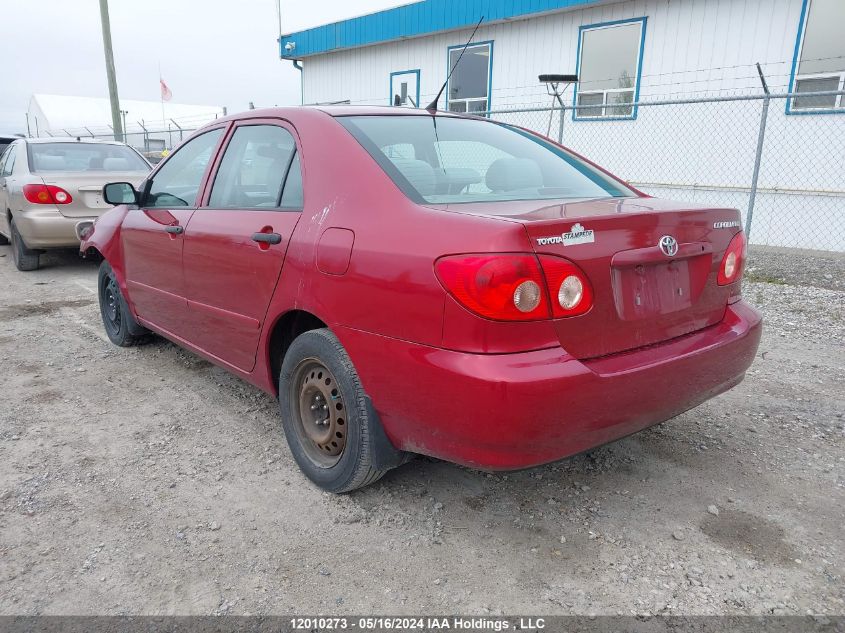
{"type": "Point", "coordinates": [116, 193]}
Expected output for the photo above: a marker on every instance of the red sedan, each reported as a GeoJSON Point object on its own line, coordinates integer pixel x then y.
{"type": "Point", "coordinates": [409, 282]}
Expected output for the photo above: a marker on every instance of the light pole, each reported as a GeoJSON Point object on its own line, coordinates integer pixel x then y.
{"type": "Point", "coordinates": [124, 113]}
{"type": "Point", "coordinates": [110, 74]}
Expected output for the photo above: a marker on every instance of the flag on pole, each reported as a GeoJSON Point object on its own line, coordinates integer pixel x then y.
{"type": "Point", "coordinates": [166, 95]}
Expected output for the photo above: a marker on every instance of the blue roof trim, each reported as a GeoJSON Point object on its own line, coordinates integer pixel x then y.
{"type": "Point", "coordinates": [413, 20]}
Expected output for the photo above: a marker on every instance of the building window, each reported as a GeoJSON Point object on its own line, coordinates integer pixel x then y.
{"type": "Point", "coordinates": [609, 66]}
{"type": "Point", "coordinates": [819, 64]}
{"type": "Point", "coordinates": [469, 85]}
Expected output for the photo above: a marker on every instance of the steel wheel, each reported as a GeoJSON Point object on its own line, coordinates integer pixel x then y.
{"type": "Point", "coordinates": [320, 412]}
{"type": "Point", "coordinates": [111, 306]}
{"type": "Point", "coordinates": [121, 327]}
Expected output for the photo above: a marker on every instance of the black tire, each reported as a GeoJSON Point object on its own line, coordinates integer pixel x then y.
{"type": "Point", "coordinates": [353, 467]}
{"type": "Point", "coordinates": [25, 258]}
{"type": "Point", "coordinates": [121, 327]}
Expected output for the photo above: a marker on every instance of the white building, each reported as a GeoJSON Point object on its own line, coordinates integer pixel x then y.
{"type": "Point", "coordinates": [626, 52]}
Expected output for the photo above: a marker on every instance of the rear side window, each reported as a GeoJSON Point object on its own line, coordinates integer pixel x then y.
{"type": "Point", "coordinates": [83, 157]}
{"type": "Point", "coordinates": [177, 182]}
{"type": "Point", "coordinates": [292, 197]}
{"type": "Point", "coordinates": [254, 167]}
{"type": "Point", "coordinates": [457, 160]}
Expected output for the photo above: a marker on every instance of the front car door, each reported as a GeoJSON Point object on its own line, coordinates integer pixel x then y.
{"type": "Point", "coordinates": [235, 243]}
{"type": "Point", "coordinates": [152, 235]}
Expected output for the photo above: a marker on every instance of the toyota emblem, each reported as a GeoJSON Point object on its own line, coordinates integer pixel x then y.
{"type": "Point", "coordinates": [669, 245]}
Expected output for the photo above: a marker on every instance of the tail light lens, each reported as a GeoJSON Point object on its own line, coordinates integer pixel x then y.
{"type": "Point", "coordinates": [733, 261]}
{"type": "Point", "coordinates": [515, 287]}
{"type": "Point", "coordinates": [505, 287]}
{"type": "Point", "coordinates": [46, 194]}
{"type": "Point", "coordinates": [571, 293]}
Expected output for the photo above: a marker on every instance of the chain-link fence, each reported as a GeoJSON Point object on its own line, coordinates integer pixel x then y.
{"type": "Point", "coordinates": [783, 168]}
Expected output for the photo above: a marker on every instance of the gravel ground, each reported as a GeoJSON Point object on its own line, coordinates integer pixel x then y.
{"type": "Point", "coordinates": [796, 267]}
{"type": "Point", "coordinates": [148, 481]}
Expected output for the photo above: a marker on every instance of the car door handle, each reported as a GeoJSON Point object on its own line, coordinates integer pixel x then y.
{"type": "Point", "coordinates": [267, 238]}
{"type": "Point", "coordinates": [177, 230]}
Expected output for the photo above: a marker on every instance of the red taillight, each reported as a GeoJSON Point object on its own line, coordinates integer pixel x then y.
{"type": "Point", "coordinates": [570, 290]}
{"type": "Point", "coordinates": [506, 287]}
{"type": "Point", "coordinates": [514, 287]}
{"type": "Point", "coordinates": [46, 194]}
{"type": "Point", "coordinates": [733, 261]}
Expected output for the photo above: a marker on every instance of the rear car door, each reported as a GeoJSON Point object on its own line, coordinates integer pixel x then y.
{"type": "Point", "coordinates": [152, 235]}
{"type": "Point", "coordinates": [7, 166]}
{"type": "Point", "coordinates": [235, 243]}
{"type": "Point", "coordinates": [4, 197]}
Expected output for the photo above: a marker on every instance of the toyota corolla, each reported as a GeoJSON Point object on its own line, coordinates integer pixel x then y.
{"type": "Point", "coordinates": [414, 282]}
{"type": "Point", "coordinates": [51, 191]}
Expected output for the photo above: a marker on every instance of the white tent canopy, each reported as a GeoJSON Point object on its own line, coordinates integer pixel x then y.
{"type": "Point", "coordinates": [59, 113]}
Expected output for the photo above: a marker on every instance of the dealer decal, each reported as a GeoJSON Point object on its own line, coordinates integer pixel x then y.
{"type": "Point", "coordinates": [576, 235]}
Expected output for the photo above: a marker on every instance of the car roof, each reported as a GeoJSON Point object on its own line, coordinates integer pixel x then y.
{"type": "Point", "coordinates": [368, 110]}
{"type": "Point", "coordinates": [336, 110]}
{"type": "Point", "coordinates": [72, 139]}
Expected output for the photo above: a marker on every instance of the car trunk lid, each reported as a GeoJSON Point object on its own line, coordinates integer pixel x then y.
{"type": "Point", "coordinates": [642, 295]}
{"type": "Point", "coordinates": [86, 190]}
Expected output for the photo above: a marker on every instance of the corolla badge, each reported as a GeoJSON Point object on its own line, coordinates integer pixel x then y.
{"type": "Point", "coordinates": [669, 245]}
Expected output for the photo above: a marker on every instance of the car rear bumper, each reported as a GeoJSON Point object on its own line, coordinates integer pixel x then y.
{"type": "Point", "coordinates": [509, 411]}
{"type": "Point", "coordinates": [47, 228]}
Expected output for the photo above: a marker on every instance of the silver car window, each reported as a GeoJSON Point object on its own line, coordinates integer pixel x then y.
{"type": "Point", "coordinates": [9, 157]}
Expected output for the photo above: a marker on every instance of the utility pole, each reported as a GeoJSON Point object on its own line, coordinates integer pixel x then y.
{"type": "Point", "coordinates": [112, 79]}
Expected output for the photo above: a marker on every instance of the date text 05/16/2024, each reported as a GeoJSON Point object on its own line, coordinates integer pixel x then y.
{"type": "Point", "coordinates": [417, 623]}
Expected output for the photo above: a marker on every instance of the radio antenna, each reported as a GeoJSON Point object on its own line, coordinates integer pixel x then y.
{"type": "Point", "coordinates": [432, 107]}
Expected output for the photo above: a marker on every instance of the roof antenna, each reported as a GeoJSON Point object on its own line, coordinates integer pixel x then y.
{"type": "Point", "coordinates": [432, 107]}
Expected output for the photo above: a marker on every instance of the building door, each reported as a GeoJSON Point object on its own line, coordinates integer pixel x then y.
{"type": "Point", "coordinates": [405, 88]}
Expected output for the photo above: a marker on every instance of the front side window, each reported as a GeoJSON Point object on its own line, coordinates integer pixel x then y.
{"type": "Point", "coordinates": [820, 63]}
{"type": "Point", "coordinates": [84, 157]}
{"type": "Point", "coordinates": [177, 182]}
{"type": "Point", "coordinates": [459, 160]}
{"type": "Point", "coordinates": [609, 69]}
{"type": "Point", "coordinates": [469, 85]}
{"type": "Point", "coordinates": [253, 168]}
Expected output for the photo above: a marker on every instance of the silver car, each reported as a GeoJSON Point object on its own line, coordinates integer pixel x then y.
{"type": "Point", "coordinates": [51, 191]}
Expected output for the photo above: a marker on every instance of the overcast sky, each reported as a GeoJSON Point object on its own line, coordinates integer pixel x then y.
{"type": "Point", "coordinates": [212, 52]}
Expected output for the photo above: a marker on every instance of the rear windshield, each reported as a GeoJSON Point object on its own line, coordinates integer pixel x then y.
{"type": "Point", "coordinates": [452, 160]}
{"type": "Point", "coordinates": [45, 157]}
{"type": "Point", "coordinates": [3, 146]}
